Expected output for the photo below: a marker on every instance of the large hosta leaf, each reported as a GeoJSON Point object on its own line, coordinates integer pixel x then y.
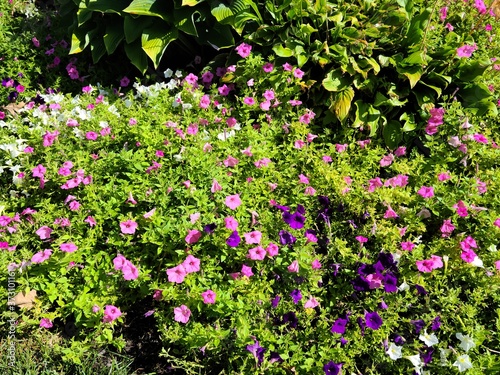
{"type": "Point", "coordinates": [114, 35]}
{"type": "Point", "coordinates": [136, 55]}
{"type": "Point", "coordinates": [342, 103]}
{"type": "Point", "coordinates": [107, 6]}
{"type": "Point", "coordinates": [133, 26]}
{"type": "Point", "coordinates": [335, 81]}
{"type": "Point", "coordinates": [152, 8]}
{"type": "Point", "coordinates": [366, 115]}
{"type": "Point", "coordinates": [392, 134]}
{"type": "Point", "coordinates": [155, 41]}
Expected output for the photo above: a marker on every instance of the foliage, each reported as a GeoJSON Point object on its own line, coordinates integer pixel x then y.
{"type": "Point", "coordinates": [172, 171]}
{"type": "Point", "coordinates": [381, 65]}
{"type": "Point", "coordinates": [145, 28]}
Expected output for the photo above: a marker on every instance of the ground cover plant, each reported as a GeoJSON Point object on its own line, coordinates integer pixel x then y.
{"type": "Point", "coordinates": [263, 242]}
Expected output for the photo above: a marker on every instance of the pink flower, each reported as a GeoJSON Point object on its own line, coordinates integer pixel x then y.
{"type": "Point", "coordinates": [316, 265]}
{"type": "Point", "coordinates": [46, 323]}
{"type": "Point", "coordinates": [361, 239]}
{"type": "Point", "coordinates": [244, 50]}
{"type": "Point", "coordinates": [204, 101]}
{"type": "Point", "coordinates": [233, 201]}
{"type": "Point", "coordinates": [497, 223]}
{"type": "Point", "coordinates": [444, 176]}
{"type": "Point", "coordinates": [39, 171]}
{"type": "Point", "coordinates": [264, 162]}
{"type": "Point", "coordinates": [408, 246]}
{"type": "Point", "coordinates": [191, 264]}
{"type": "Point", "coordinates": [41, 256]}
{"type": "Point", "coordinates": [272, 249]}
{"type": "Point", "coordinates": [193, 236]}
{"type": "Point", "coordinates": [231, 223]}
{"type": "Point", "coordinates": [341, 148]}
{"type": "Point", "coordinates": [230, 161]}
{"type": "Point", "coordinates": [400, 151]}
{"type": "Point", "coordinates": [44, 232]}
{"type": "Point", "coordinates": [158, 295]}
{"type": "Point", "coordinates": [90, 220]}
{"type": "Point", "coordinates": [497, 265]}
{"type": "Point", "coordinates": [468, 255]}
{"type": "Point", "coordinates": [390, 214]}
{"type": "Point", "coordinates": [303, 179]}
{"type": "Point", "coordinates": [130, 272]}
{"type": "Point", "coordinates": [387, 160]}
{"type": "Point", "coordinates": [468, 243]}
{"type": "Point", "coordinates": [374, 280]}
{"type": "Point", "coordinates": [426, 265]}
{"type": "Point", "coordinates": [268, 67]}
{"type": "Point", "coordinates": [293, 267]}
{"type": "Point", "coordinates": [480, 6]}
{"type": "Point", "coordinates": [111, 313]}
{"type": "Point", "coordinates": [246, 271]}
{"type": "Point", "coordinates": [253, 237]}
{"type": "Point", "coordinates": [91, 136]}
{"type": "Point", "coordinates": [310, 191]}
{"type": "Point", "coordinates": [442, 13]}
{"type": "Point", "coordinates": [68, 247]}
{"type": "Point", "coordinates": [461, 209]}
{"type": "Point", "coordinates": [119, 261]}
{"type": "Point", "coordinates": [311, 137]}
{"type": "Point", "coordinates": [311, 303]}
{"type": "Point", "coordinates": [49, 138]}
{"type": "Point", "coordinates": [95, 308]}
{"type": "Point", "coordinates": [297, 73]}
{"type": "Point", "coordinates": [208, 296]}
{"type": "Point", "coordinates": [466, 50]}
{"type": "Point", "coordinates": [215, 186]}
{"type": "Point", "coordinates": [299, 143]}
{"type": "Point", "coordinates": [128, 227]}
{"type": "Point", "coordinates": [481, 186]}
{"type": "Point", "coordinates": [182, 314]}
{"type": "Point", "coordinates": [480, 138]}
{"type": "Point", "coordinates": [426, 191]}
{"type": "Point", "coordinates": [447, 228]}
{"type": "Point", "coordinates": [437, 261]}
{"type": "Point", "coordinates": [374, 183]}
{"type": "Point", "coordinates": [257, 253]}
{"type": "Point", "coordinates": [74, 205]}
{"type": "Point", "coordinates": [176, 274]}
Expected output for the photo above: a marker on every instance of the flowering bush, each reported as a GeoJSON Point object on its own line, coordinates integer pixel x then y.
{"type": "Point", "coordinates": [266, 247]}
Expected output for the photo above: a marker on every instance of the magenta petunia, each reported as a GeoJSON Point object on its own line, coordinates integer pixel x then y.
{"type": "Point", "coordinates": [233, 201]}
{"type": "Point", "coordinates": [191, 264]}
{"type": "Point", "coordinates": [111, 313]}
{"type": "Point", "coordinates": [68, 247]}
{"type": "Point", "coordinates": [193, 236]}
{"type": "Point", "coordinates": [44, 232]}
{"type": "Point", "coordinates": [128, 227]}
{"type": "Point", "coordinates": [209, 296]}
{"type": "Point", "coordinates": [176, 274]}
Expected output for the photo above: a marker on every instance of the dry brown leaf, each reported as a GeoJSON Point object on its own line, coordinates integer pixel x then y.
{"type": "Point", "coordinates": [25, 301]}
{"type": "Point", "coordinates": [14, 108]}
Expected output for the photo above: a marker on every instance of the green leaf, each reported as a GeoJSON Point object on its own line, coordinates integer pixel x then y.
{"type": "Point", "coordinates": [83, 15]}
{"type": "Point", "coordinates": [155, 40]}
{"type": "Point", "coordinates": [191, 3]}
{"type": "Point", "coordinates": [392, 134]}
{"type": "Point", "coordinates": [412, 72]}
{"type": "Point", "coordinates": [342, 103]}
{"type": "Point", "coordinates": [417, 26]}
{"type": "Point", "coordinates": [107, 6]}
{"type": "Point", "coordinates": [223, 14]}
{"type": "Point", "coordinates": [409, 120]}
{"type": "Point", "coordinates": [114, 35]}
{"type": "Point", "coordinates": [220, 36]}
{"type": "Point", "coordinates": [184, 20]}
{"type": "Point", "coordinates": [133, 27]}
{"type": "Point", "coordinates": [282, 51]}
{"type": "Point", "coordinates": [470, 70]}
{"type": "Point", "coordinates": [151, 8]}
{"type": "Point", "coordinates": [335, 81]}
{"type": "Point", "coordinates": [366, 115]}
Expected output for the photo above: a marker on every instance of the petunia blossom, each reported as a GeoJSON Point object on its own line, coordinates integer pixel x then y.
{"type": "Point", "coordinates": [233, 201]}
{"type": "Point", "coordinates": [128, 227]}
{"type": "Point", "coordinates": [176, 274]}
{"type": "Point", "coordinates": [182, 314]}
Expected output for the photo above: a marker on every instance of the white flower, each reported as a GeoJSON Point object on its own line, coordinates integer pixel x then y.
{"type": "Point", "coordinates": [404, 286]}
{"type": "Point", "coordinates": [103, 124]}
{"type": "Point", "coordinates": [477, 262]}
{"type": "Point", "coordinates": [463, 363]}
{"type": "Point", "coordinates": [394, 351]}
{"type": "Point", "coordinates": [416, 362]}
{"type": "Point", "coordinates": [113, 110]}
{"type": "Point", "coordinates": [168, 73]}
{"type": "Point", "coordinates": [429, 340]}
{"type": "Point", "coordinates": [127, 103]}
{"type": "Point", "coordinates": [226, 135]}
{"type": "Point", "coordinates": [493, 248]}
{"type": "Point", "coordinates": [172, 84]}
{"type": "Point", "coordinates": [178, 73]}
{"type": "Point", "coordinates": [466, 342]}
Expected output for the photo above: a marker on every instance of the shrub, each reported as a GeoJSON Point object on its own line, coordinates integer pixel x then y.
{"type": "Point", "coordinates": [265, 246]}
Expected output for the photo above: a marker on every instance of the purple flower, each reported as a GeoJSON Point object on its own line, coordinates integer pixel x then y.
{"type": "Point", "coordinates": [275, 357]}
{"type": "Point", "coordinates": [339, 326]}
{"type": "Point", "coordinates": [399, 340]}
{"type": "Point", "coordinates": [360, 284]}
{"type": "Point", "coordinates": [296, 296]}
{"type": "Point", "coordinates": [427, 355]}
{"type": "Point", "coordinates": [383, 305]}
{"type": "Point", "coordinates": [324, 201]}
{"type": "Point", "coordinates": [291, 319]}
{"type": "Point", "coordinates": [275, 301]}
{"type": "Point", "coordinates": [420, 290]}
{"type": "Point", "coordinates": [301, 210]}
{"type": "Point", "coordinates": [295, 220]}
{"type": "Point", "coordinates": [343, 341]}
{"type": "Point", "coordinates": [373, 320]}
{"type": "Point", "coordinates": [436, 323]}
{"type": "Point", "coordinates": [390, 283]}
{"type": "Point", "coordinates": [332, 368]}
{"type": "Point", "coordinates": [419, 324]}
{"type": "Point", "coordinates": [257, 351]}
{"type": "Point", "coordinates": [366, 269]}
{"type": "Point", "coordinates": [336, 268]}
{"type": "Point", "coordinates": [387, 260]}
{"type": "Point", "coordinates": [233, 240]}
{"type": "Point", "coordinates": [286, 238]}
{"type": "Point", "coordinates": [379, 267]}
{"type": "Point", "coordinates": [209, 228]}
